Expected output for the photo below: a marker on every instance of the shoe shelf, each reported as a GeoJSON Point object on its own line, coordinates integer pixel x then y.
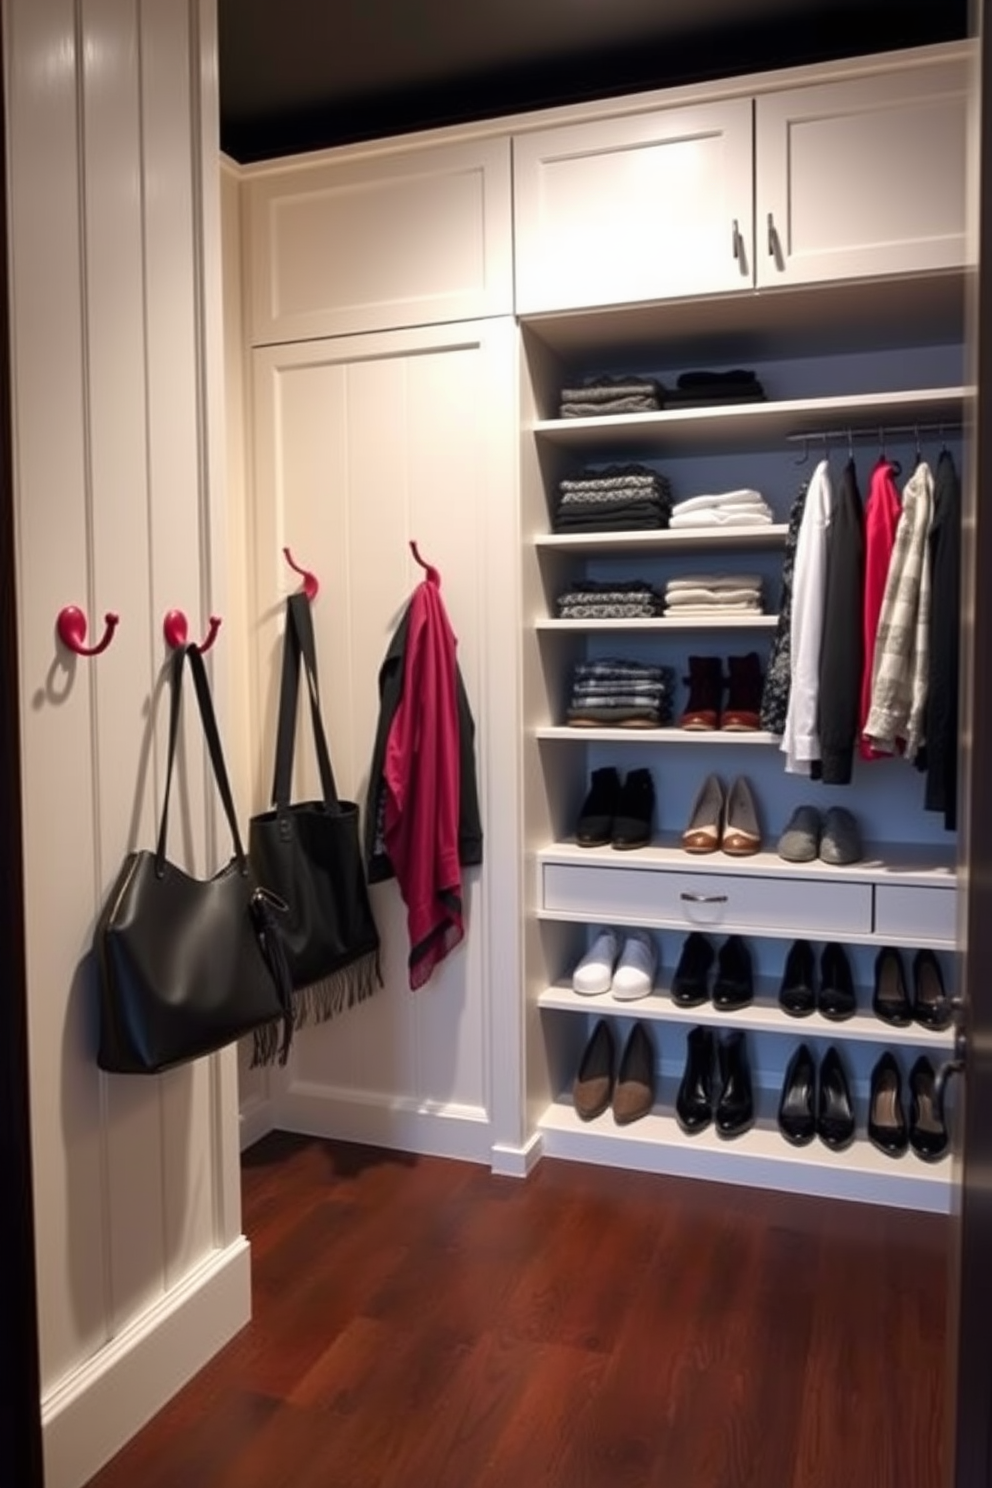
{"type": "Point", "coordinates": [666, 540]}
{"type": "Point", "coordinates": [662, 622]}
{"type": "Point", "coordinates": [743, 426]}
{"type": "Point", "coordinates": [592, 735]}
{"type": "Point", "coordinates": [763, 1015]}
{"type": "Point", "coordinates": [760, 1158]}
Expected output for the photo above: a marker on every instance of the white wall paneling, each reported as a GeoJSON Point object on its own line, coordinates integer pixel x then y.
{"type": "Point", "coordinates": [361, 444]}
{"type": "Point", "coordinates": [115, 273]}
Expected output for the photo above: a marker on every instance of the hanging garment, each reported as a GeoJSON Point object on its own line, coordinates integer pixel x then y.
{"type": "Point", "coordinates": [900, 670]}
{"type": "Point", "coordinates": [882, 513]}
{"type": "Point", "coordinates": [843, 645]}
{"type": "Point", "coordinates": [800, 741]}
{"type": "Point", "coordinates": [775, 693]}
{"type": "Point", "coordinates": [422, 821]}
{"type": "Point", "coordinates": [941, 731]}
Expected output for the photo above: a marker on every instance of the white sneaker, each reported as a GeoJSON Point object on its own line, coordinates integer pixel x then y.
{"type": "Point", "coordinates": [634, 976]}
{"type": "Point", "coordinates": [594, 973]}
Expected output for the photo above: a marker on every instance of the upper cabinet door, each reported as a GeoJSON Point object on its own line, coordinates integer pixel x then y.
{"type": "Point", "coordinates": [373, 242]}
{"type": "Point", "coordinates": [647, 207]}
{"type": "Point", "coordinates": [862, 178]}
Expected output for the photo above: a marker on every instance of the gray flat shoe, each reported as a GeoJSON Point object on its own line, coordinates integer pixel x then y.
{"type": "Point", "coordinates": [800, 842]}
{"type": "Point", "coordinates": [841, 840]}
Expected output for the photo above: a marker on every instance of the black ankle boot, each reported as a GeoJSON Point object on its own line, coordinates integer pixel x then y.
{"type": "Point", "coordinates": [734, 984]}
{"type": "Point", "coordinates": [745, 683]}
{"type": "Point", "coordinates": [635, 811]}
{"type": "Point", "coordinates": [735, 1107]}
{"type": "Point", "coordinates": [599, 809]}
{"type": "Point", "coordinates": [694, 1102]}
{"type": "Point", "coordinates": [705, 684]}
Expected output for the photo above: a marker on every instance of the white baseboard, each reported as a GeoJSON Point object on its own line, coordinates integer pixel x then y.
{"type": "Point", "coordinates": [255, 1121]}
{"type": "Point", "coordinates": [400, 1123]}
{"type": "Point", "coordinates": [517, 1162]}
{"type": "Point", "coordinates": [91, 1413]}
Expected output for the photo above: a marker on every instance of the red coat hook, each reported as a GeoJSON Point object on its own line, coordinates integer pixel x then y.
{"type": "Point", "coordinates": [176, 629]}
{"type": "Point", "coordinates": [71, 628]}
{"type": "Point", "coordinates": [433, 577]}
{"type": "Point", "coordinates": [311, 588]}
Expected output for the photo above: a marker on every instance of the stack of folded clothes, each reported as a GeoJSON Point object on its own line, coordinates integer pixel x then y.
{"type": "Point", "coordinates": [614, 599]}
{"type": "Point", "coordinates": [602, 395]}
{"type": "Point", "coordinates": [714, 594]}
{"type": "Point", "coordinates": [704, 389]}
{"type": "Point", "coordinates": [628, 694]}
{"type": "Point", "coordinates": [743, 508]}
{"type": "Point", "coordinates": [617, 498]}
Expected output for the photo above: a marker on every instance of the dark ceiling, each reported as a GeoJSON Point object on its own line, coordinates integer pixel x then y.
{"type": "Point", "coordinates": [305, 74]}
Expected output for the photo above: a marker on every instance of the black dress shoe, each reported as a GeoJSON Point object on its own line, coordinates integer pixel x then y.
{"type": "Point", "coordinates": [927, 1128]}
{"type": "Point", "coordinates": [930, 1001]}
{"type": "Point", "coordinates": [886, 1119]}
{"type": "Point", "coordinates": [635, 811]}
{"type": "Point", "coordinates": [796, 1109]}
{"type": "Point", "coordinates": [735, 1107]}
{"type": "Point", "coordinates": [836, 999]}
{"type": "Point", "coordinates": [694, 1102]}
{"type": "Point", "coordinates": [834, 1107]}
{"type": "Point", "coordinates": [595, 825]}
{"type": "Point", "coordinates": [690, 984]}
{"type": "Point", "coordinates": [733, 986]}
{"type": "Point", "coordinates": [797, 994]}
{"type": "Point", "coordinates": [890, 1000]}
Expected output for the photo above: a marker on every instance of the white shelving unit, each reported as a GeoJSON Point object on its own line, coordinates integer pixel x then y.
{"type": "Point", "coordinates": [903, 892]}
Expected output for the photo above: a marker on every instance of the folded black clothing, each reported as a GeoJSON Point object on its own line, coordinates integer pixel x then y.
{"type": "Point", "coordinates": [700, 398]}
{"type": "Point", "coordinates": [616, 717]}
{"type": "Point", "coordinates": [648, 520]}
{"type": "Point", "coordinates": [736, 377]}
{"type": "Point", "coordinates": [620, 667]}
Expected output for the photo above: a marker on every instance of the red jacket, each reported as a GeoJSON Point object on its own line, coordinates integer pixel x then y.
{"type": "Point", "coordinates": [422, 776]}
{"type": "Point", "coordinates": [882, 514]}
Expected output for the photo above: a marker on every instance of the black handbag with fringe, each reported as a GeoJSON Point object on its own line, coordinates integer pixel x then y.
{"type": "Point", "coordinates": [188, 965]}
{"type": "Point", "coordinates": [309, 854]}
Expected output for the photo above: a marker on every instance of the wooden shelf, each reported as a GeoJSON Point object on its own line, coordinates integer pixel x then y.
{"type": "Point", "coordinates": [760, 1159]}
{"type": "Point", "coordinates": [651, 736]}
{"type": "Point", "coordinates": [763, 1016]}
{"type": "Point", "coordinates": [904, 864]}
{"type": "Point", "coordinates": [662, 622]}
{"type": "Point", "coordinates": [743, 426]}
{"type": "Point", "coordinates": [665, 540]}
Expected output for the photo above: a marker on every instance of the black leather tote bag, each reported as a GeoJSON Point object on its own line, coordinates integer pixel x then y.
{"type": "Point", "coordinates": [187, 965]}
{"type": "Point", "coordinates": [309, 854]}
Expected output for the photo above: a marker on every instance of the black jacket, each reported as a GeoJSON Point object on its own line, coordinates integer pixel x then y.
{"type": "Point", "coordinates": [941, 734]}
{"type": "Point", "coordinates": [842, 647]}
{"type": "Point", "coordinates": [469, 820]}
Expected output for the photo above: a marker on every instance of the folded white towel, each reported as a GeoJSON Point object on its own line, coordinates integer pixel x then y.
{"type": "Point", "coordinates": [743, 497]}
{"type": "Point", "coordinates": [713, 581]}
{"type": "Point", "coordinates": [727, 598]}
{"type": "Point", "coordinates": [732, 516]}
{"type": "Point", "coordinates": [736, 607]}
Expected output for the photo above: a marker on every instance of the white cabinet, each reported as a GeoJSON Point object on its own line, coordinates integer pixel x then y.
{"type": "Point", "coordinates": [863, 177]}
{"type": "Point", "coordinates": [640, 208]}
{"type": "Point", "coordinates": [362, 241]}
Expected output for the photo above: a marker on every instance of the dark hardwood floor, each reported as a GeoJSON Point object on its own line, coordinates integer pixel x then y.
{"type": "Point", "coordinates": [419, 1323]}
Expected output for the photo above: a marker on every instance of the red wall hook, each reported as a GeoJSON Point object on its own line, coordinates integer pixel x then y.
{"type": "Point", "coordinates": [176, 629]}
{"type": "Point", "coordinates": [433, 577]}
{"type": "Point", "coordinates": [71, 628]}
{"type": "Point", "coordinates": [311, 588]}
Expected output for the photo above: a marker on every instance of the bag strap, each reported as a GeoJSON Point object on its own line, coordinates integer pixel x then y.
{"type": "Point", "coordinates": [299, 647]}
{"type": "Point", "coordinates": [212, 735]}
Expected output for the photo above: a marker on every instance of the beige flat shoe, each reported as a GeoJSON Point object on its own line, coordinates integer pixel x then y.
{"type": "Point", "coordinates": [702, 835]}
{"type": "Point", "coordinates": [741, 832]}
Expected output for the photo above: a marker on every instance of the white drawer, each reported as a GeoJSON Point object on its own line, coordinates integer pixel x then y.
{"type": "Point", "coordinates": [923, 916]}
{"type": "Point", "coordinates": [756, 902]}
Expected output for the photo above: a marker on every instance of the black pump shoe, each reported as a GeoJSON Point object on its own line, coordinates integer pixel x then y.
{"type": "Point", "coordinates": [796, 1109]}
{"type": "Point", "coordinates": [635, 811]}
{"type": "Point", "coordinates": [694, 1102]}
{"type": "Point", "coordinates": [733, 986]}
{"type": "Point", "coordinates": [836, 1000]}
{"type": "Point", "coordinates": [890, 1000]}
{"type": "Point", "coordinates": [887, 1128]}
{"type": "Point", "coordinates": [797, 993]}
{"type": "Point", "coordinates": [931, 1007]}
{"type": "Point", "coordinates": [927, 1127]}
{"type": "Point", "coordinates": [595, 825]}
{"type": "Point", "coordinates": [834, 1107]}
{"type": "Point", "coordinates": [735, 1107]}
{"type": "Point", "coordinates": [690, 984]}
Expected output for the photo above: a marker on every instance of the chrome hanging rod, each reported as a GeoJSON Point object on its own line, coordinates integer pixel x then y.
{"type": "Point", "coordinates": [875, 431]}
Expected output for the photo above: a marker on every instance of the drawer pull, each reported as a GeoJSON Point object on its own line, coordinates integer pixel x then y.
{"type": "Point", "coordinates": [704, 898]}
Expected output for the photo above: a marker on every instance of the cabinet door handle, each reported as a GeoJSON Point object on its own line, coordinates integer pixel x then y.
{"type": "Point", "coordinates": [772, 237]}
{"type": "Point", "coordinates": [736, 240]}
{"type": "Point", "coordinates": [704, 898]}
